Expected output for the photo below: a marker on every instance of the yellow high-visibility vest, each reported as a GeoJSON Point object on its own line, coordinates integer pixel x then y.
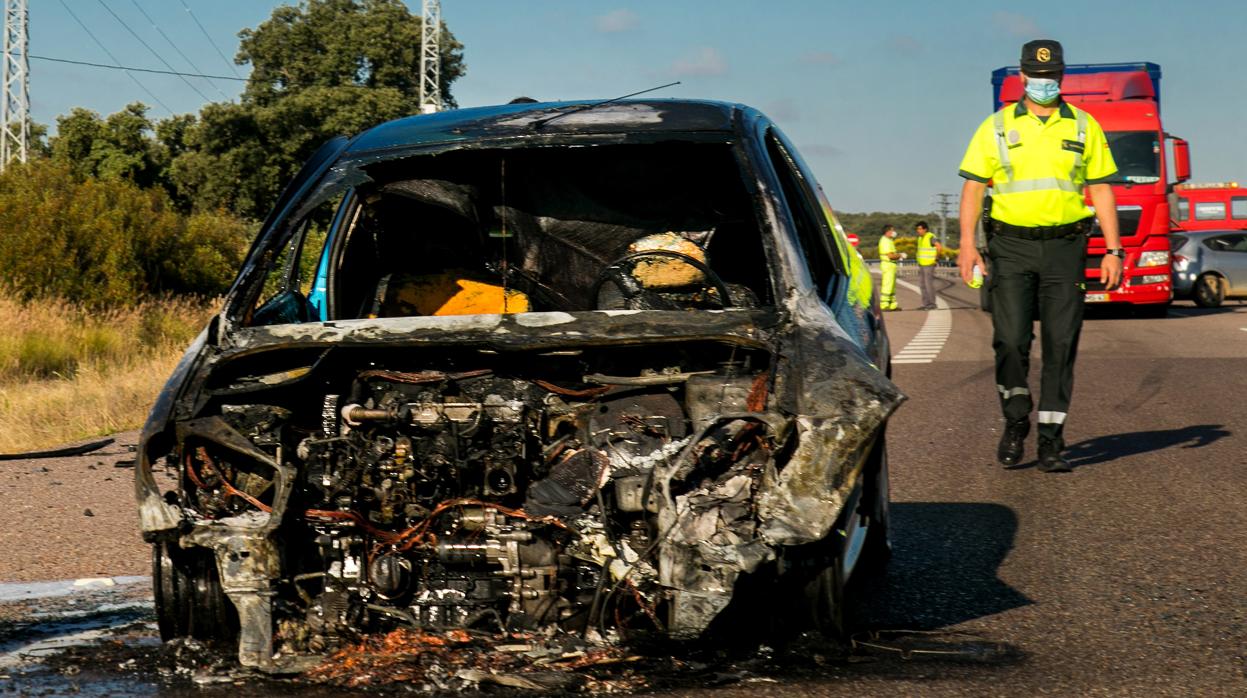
{"type": "Point", "coordinates": [1038, 168]}
{"type": "Point", "coordinates": [926, 249]}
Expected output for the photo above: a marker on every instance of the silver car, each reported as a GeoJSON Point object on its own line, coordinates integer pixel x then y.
{"type": "Point", "coordinates": [1209, 265]}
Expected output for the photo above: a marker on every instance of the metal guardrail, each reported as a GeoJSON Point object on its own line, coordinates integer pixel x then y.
{"type": "Point", "coordinates": [909, 267]}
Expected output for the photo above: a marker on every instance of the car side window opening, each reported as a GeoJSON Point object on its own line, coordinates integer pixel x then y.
{"type": "Point", "coordinates": [813, 238]}
{"type": "Point", "coordinates": [1227, 243]}
{"type": "Point", "coordinates": [664, 226]}
{"type": "Point", "coordinates": [289, 281]}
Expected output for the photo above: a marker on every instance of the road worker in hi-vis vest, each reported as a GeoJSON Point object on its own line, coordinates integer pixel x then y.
{"type": "Point", "coordinates": [888, 258]}
{"type": "Point", "coordinates": [1038, 155]}
{"type": "Point", "coordinates": [928, 252]}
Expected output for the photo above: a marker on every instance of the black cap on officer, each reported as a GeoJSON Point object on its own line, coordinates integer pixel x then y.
{"type": "Point", "coordinates": [1043, 57]}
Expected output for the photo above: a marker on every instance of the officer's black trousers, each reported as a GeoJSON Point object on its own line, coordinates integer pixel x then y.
{"type": "Point", "coordinates": [1044, 280]}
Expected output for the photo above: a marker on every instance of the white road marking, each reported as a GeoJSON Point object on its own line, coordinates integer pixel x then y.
{"type": "Point", "coordinates": [925, 347]}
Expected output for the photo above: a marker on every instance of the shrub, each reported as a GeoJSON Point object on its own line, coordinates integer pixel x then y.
{"type": "Point", "coordinates": [106, 242]}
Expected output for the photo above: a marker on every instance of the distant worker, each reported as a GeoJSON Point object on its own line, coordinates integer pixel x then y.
{"type": "Point", "coordinates": [888, 257]}
{"type": "Point", "coordinates": [1038, 156]}
{"type": "Point", "coordinates": [928, 252]}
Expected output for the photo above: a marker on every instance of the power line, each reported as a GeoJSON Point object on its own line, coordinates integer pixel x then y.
{"type": "Point", "coordinates": [149, 48]}
{"type": "Point", "coordinates": [110, 55]}
{"type": "Point", "coordinates": [174, 45]}
{"type": "Point", "coordinates": [137, 70]}
{"type": "Point", "coordinates": [210, 40]}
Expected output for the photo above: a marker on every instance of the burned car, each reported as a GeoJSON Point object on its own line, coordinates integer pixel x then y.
{"type": "Point", "coordinates": [595, 368]}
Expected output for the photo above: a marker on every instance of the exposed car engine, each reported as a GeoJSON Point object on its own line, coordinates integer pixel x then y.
{"type": "Point", "coordinates": [436, 499]}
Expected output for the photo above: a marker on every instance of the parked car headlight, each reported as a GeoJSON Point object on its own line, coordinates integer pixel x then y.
{"type": "Point", "coordinates": [1157, 258]}
{"type": "Point", "coordinates": [1180, 263]}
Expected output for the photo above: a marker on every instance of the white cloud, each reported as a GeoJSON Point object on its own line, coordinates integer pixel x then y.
{"type": "Point", "coordinates": [1015, 24]}
{"type": "Point", "coordinates": [706, 61]}
{"type": "Point", "coordinates": [617, 21]}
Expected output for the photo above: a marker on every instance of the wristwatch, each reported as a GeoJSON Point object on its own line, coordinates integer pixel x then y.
{"type": "Point", "coordinates": [1116, 252]}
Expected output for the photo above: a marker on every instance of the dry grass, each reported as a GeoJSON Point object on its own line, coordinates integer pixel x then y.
{"type": "Point", "coordinates": [67, 373]}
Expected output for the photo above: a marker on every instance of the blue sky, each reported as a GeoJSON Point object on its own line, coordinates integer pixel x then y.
{"type": "Point", "coordinates": [881, 97]}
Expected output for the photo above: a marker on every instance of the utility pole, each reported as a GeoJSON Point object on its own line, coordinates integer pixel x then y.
{"type": "Point", "coordinates": [430, 56]}
{"type": "Point", "coordinates": [943, 204]}
{"type": "Point", "coordinates": [15, 105]}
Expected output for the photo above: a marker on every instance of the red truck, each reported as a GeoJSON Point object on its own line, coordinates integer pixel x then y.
{"type": "Point", "coordinates": [1125, 99]}
{"type": "Point", "coordinates": [1210, 206]}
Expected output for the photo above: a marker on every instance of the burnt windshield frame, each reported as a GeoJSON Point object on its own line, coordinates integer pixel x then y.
{"type": "Point", "coordinates": [351, 172]}
{"type": "Point", "coordinates": [1137, 155]}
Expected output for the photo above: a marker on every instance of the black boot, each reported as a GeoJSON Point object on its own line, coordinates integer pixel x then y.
{"type": "Point", "coordinates": [1009, 452]}
{"type": "Point", "coordinates": [1050, 459]}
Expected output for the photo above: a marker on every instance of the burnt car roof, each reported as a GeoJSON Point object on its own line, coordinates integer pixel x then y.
{"type": "Point", "coordinates": [550, 118]}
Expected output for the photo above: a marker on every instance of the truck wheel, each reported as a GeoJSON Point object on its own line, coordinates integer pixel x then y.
{"type": "Point", "coordinates": [1209, 291]}
{"type": "Point", "coordinates": [188, 595]}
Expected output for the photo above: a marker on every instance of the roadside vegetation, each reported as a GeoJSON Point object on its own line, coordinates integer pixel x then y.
{"type": "Point", "coordinates": [70, 371]}
{"type": "Point", "coordinates": [122, 225]}
{"type": "Point", "coordinates": [869, 228]}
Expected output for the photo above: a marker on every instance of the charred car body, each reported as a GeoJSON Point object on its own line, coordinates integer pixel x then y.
{"type": "Point", "coordinates": [581, 366]}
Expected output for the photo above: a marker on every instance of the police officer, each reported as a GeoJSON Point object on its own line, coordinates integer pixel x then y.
{"type": "Point", "coordinates": [1038, 155]}
{"type": "Point", "coordinates": [928, 251]}
{"type": "Point", "coordinates": [888, 258]}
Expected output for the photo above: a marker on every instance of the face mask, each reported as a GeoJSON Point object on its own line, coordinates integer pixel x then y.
{"type": "Point", "coordinates": [1043, 90]}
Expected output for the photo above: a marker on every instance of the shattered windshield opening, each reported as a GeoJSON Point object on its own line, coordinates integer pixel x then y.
{"type": "Point", "coordinates": [660, 226]}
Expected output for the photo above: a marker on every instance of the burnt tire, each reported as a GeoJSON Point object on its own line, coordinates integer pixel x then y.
{"type": "Point", "coordinates": [877, 549]}
{"type": "Point", "coordinates": [190, 602]}
{"type": "Point", "coordinates": [1209, 291]}
{"type": "Point", "coordinates": [823, 599]}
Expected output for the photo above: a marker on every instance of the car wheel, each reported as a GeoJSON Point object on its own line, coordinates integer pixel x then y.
{"type": "Point", "coordinates": [877, 549]}
{"type": "Point", "coordinates": [1209, 291]}
{"type": "Point", "coordinates": [189, 599]}
{"type": "Point", "coordinates": [824, 598]}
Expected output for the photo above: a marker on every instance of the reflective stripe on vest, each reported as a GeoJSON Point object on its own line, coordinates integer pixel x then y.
{"type": "Point", "coordinates": [926, 249]}
{"type": "Point", "coordinates": [1040, 184]}
{"type": "Point", "coordinates": [1012, 186]}
{"type": "Point", "coordinates": [1002, 147]}
{"type": "Point", "coordinates": [1082, 140]}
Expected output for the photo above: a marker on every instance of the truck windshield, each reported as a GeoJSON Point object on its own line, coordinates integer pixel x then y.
{"type": "Point", "coordinates": [1137, 154]}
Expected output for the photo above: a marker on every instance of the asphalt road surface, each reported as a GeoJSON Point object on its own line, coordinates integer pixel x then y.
{"type": "Point", "coordinates": [1126, 577]}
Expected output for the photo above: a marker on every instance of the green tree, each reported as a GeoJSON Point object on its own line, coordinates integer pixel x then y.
{"type": "Point", "coordinates": [343, 43]}
{"type": "Point", "coordinates": [319, 69]}
{"type": "Point", "coordinates": [103, 241]}
{"type": "Point", "coordinates": [121, 146]}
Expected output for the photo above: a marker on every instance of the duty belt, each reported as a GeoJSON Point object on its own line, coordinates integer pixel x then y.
{"type": "Point", "coordinates": [1042, 232]}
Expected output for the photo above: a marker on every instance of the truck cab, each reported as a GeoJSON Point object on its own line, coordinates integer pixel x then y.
{"type": "Point", "coordinates": [1124, 98]}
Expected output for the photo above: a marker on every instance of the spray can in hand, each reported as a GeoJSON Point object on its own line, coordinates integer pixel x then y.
{"type": "Point", "coordinates": [976, 281]}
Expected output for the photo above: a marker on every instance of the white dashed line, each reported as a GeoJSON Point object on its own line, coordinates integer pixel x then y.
{"type": "Point", "coordinates": [925, 347]}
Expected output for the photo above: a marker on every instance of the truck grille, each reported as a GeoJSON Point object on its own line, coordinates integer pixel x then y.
{"type": "Point", "coordinates": [1128, 218]}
